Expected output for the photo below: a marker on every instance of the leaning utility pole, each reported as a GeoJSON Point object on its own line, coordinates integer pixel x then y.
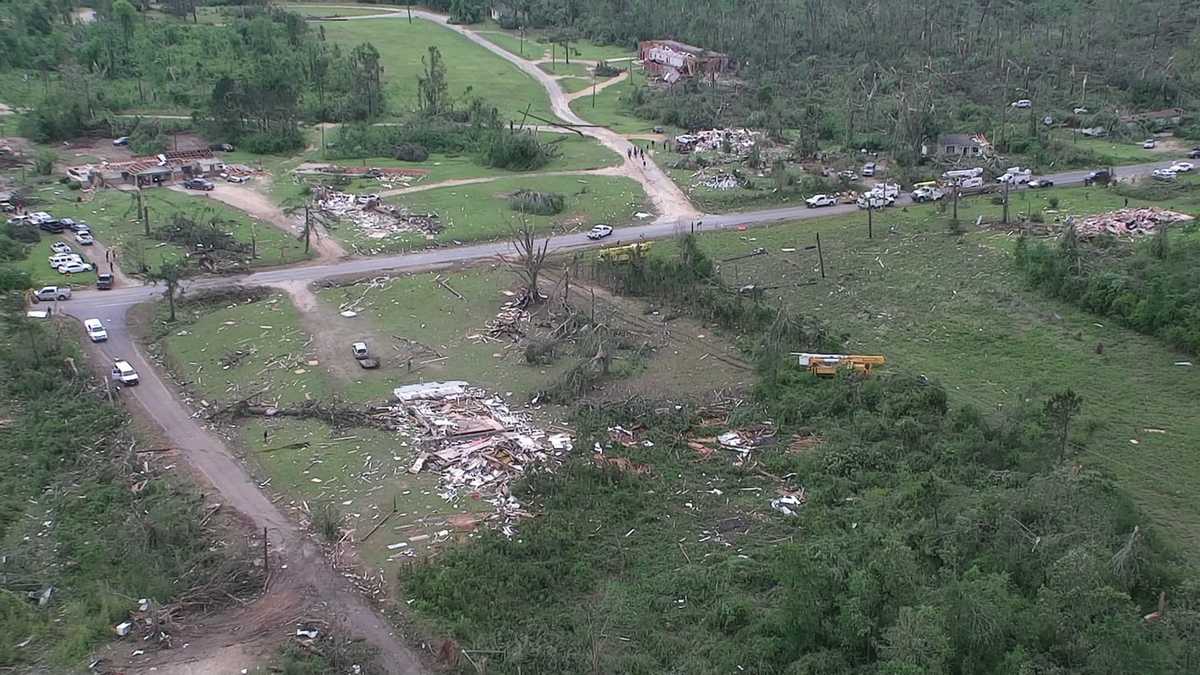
{"type": "Point", "coordinates": [307, 228]}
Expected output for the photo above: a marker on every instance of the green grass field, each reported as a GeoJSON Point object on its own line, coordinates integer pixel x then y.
{"type": "Point", "coordinates": [110, 213]}
{"type": "Point", "coordinates": [469, 67]}
{"type": "Point", "coordinates": [1113, 151]}
{"type": "Point", "coordinates": [955, 309]}
{"type": "Point", "coordinates": [480, 212]}
{"type": "Point", "coordinates": [230, 352]}
{"type": "Point", "coordinates": [415, 308]}
{"type": "Point", "coordinates": [528, 49]}
{"type": "Point", "coordinates": [575, 153]}
{"type": "Point", "coordinates": [319, 10]}
{"type": "Point", "coordinates": [609, 112]}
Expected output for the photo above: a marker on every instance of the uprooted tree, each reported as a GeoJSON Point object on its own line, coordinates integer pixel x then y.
{"type": "Point", "coordinates": [528, 262]}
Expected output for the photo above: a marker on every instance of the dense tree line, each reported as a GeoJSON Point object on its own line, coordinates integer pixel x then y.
{"type": "Point", "coordinates": [890, 74]}
{"type": "Point", "coordinates": [252, 79]}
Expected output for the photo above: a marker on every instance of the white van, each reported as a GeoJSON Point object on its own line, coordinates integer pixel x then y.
{"type": "Point", "coordinates": [95, 330]}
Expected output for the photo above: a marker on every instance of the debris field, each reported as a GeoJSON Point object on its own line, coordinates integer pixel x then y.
{"type": "Point", "coordinates": [1128, 223]}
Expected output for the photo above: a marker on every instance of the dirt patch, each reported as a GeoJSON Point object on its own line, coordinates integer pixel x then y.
{"type": "Point", "coordinates": [332, 334]}
{"type": "Point", "coordinates": [258, 205]}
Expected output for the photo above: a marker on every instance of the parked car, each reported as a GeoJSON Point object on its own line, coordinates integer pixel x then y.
{"type": "Point", "coordinates": [1194, 153]}
{"type": "Point", "coordinates": [76, 225]}
{"type": "Point", "coordinates": [124, 373]}
{"type": "Point", "coordinates": [1149, 144]}
{"type": "Point", "coordinates": [1041, 183]}
{"type": "Point", "coordinates": [1023, 104]}
{"type": "Point", "coordinates": [221, 147]}
{"type": "Point", "coordinates": [1103, 177]}
{"type": "Point", "coordinates": [198, 184]}
{"type": "Point", "coordinates": [60, 247]}
{"type": "Point", "coordinates": [928, 194]}
{"type": "Point", "coordinates": [39, 217]}
{"type": "Point", "coordinates": [817, 201]}
{"type": "Point", "coordinates": [236, 179]}
{"type": "Point", "coordinates": [63, 258]}
{"type": "Point", "coordinates": [123, 140]}
{"type": "Point", "coordinates": [85, 239]}
{"type": "Point", "coordinates": [95, 330]}
{"type": "Point", "coordinates": [360, 350]}
{"type": "Point", "coordinates": [599, 232]}
{"type": "Point", "coordinates": [848, 175]}
{"type": "Point", "coordinates": [868, 169]}
{"type": "Point", "coordinates": [1182, 167]}
{"type": "Point", "coordinates": [1080, 111]}
{"type": "Point", "coordinates": [18, 220]}
{"type": "Point", "coordinates": [53, 293]}
{"type": "Point", "coordinates": [74, 268]}
{"type": "Point", "coordinates": [367, 198]}
{"type": "Point", "coordinates": [53, 227]}
{"type": "Point", "coordinates": [104, 281]}
{"type": "Point", "coordinates": [1163, 175]}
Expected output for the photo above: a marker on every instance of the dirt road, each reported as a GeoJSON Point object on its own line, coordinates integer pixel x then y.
{"type": "Point", "coordinates": [258, 205]}
{"type": "Point", "coordinates": [669, 201]}
{"type": "Point", "coordinates": [301, 577]}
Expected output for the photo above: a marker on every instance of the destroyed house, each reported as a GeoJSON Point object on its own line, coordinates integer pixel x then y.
{"type": "Point", "coordinates": [149, 170]}
{"type": "Point", "coordinates": [673, 61]}
{"type": "Point", "coordinates": [1155, 119]}
{"type": "Point", "coordinates": [960, 145]}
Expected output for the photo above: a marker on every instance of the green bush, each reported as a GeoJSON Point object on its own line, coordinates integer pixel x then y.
{"type": "Point", "coordinates": [537, 203]}
{"type": "Point", "coordinates": [410, 152]}
{"type": "Point", "coordinates": [272, 143]}
{"type": "Point", "coordinates": [1148, 286]}
{"type": "Point", "coordinates": [516, 151]}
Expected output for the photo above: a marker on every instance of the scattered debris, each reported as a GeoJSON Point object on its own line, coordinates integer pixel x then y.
{"type": "Point", "coordinates": [737, 142]}
{"type": "Point", "coordinates": [374, 217]}
{"type": "Point", "coordinates": [789, 504]}
{"type": "Point", "coordinates": [1128, 222]}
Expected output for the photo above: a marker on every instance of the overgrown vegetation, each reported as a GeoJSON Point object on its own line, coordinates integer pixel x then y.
{"type": "Point", "coordinates": [1152, 286]}
{"type": "Point", "coordinates": [78, 506]}
{"type": "Point", "coordinates": [537, 203]}
{"type": "Point", "coordinates": [923, 537]}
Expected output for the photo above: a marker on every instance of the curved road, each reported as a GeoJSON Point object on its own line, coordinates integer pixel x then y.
{"type": "Point", "coordinates": [307, 569]}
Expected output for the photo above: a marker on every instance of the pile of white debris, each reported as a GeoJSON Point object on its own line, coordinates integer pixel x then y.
{"type": "Point", "coordinates": [731, 141]}
{"type": "Point", "coordinates": [475, 442]}
{"type": "Point", "coordinates": [374, 217]}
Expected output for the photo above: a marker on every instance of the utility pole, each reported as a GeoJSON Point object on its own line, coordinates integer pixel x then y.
{"type": "Point", "coordinates": [593, 87]}
{"type": "Point", "coordinates": [307, 228]}
{"type": "Point", "coordinates": [820, 255]}
{"type": "Point", "coordinates": [1006, 184]}
{"type": "Point", "coordinates": [870, 219]}
{"type": "Point", "coordinates": [955, 200]}
{"type": "Point", "coordinates": [410, 13]}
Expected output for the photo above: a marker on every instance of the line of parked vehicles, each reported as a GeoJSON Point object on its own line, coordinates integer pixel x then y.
{"type": "Point", "coordinates": [63, 259]}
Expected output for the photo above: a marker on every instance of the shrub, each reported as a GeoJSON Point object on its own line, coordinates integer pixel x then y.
{"type": "Point", "coordinates": [24, 232]}
{"type": "Point", "coordinates": [410, 152]}
{"type": "Point", "coordinates": [517, 151]}
{"type": "Point", "coordinates": [327, 521]}
{"type": "Point", "coordinates": [603, 69]}
{"type": "Point", "coordinates": [1037, 217]}
{"type": "Point", "coordinates": [1052, 202]}
{"type": "Point", "coordinates": [273, 143]}
{"type": "Point", "coordinates": [537, 203]}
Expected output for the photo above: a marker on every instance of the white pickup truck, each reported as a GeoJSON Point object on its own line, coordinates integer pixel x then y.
{"type": "Point", "coordinates": [1016, 176]}
{"type": "Point", "coordinates": [53, 293]}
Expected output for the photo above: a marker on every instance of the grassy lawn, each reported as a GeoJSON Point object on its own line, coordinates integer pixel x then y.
{"type": "Point", "coordinates": [415, 308]}
{"type": "Point", "coordinates": [468, 66]}
{"type": "Point", "coordinates": [43, 275]}
{"type": "Point", "coordinates": [111, 215]}
{"type": "Point", "coordinates": [573, 69]}
{"type": "Point", "coordinates": [480, 212]}
{"type": "Point", "coordinates": [1113, 151]}
{"type": "Point", "coordinates": [608, 110]}
{"type": "Point", "coordinates": [955, 309]}
{"type": "Point", "coordinates": [229, 352]}
{"type": "Point", "coordinates": [534, 50]}
{"type": "Point", "coordinates": [529, 48]}
{"type": "Point", "coordinates": [576, 153]}
{"type": "Point", "coordinates": [339, 10]}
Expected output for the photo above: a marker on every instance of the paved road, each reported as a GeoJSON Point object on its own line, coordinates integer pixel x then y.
{"type": "Point", "coordinates": [115, 302]}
